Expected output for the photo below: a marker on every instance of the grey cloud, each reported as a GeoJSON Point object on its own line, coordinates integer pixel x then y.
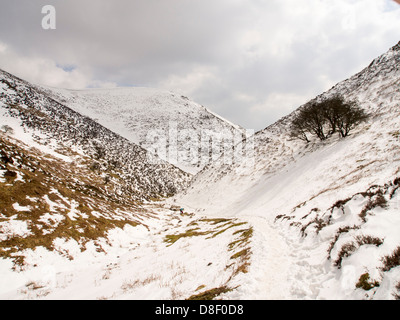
{"type": "Point", "coordinates": [254, 50]}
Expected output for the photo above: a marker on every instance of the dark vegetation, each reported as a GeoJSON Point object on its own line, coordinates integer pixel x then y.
{"type": "Point", "coordinates": [396, 294]}
{"type": "Point", "coordinates": [349, 248]}
{"type": "Point", "coordinates": [210, 294]}
{"type": "Point", "coordinates": [391, 261]}
{"type": "Point", "coordinates": [327, 117]}
{"type": "Point", "coordinates": [365, 283]}
{"type": "Point", "coordinates": [376, 196]}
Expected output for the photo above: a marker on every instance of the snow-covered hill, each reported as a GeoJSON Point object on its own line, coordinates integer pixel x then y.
{"type": "Point", "coordinates": [290, 220]}
{"type": "Point", "coordinates": [160, 121]}
{"type": "Point", "coordinates": [335, 203]}
{"type": "Point", "coordinates": [28, 109]}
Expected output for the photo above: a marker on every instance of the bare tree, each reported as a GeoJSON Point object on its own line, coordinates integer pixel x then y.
{"type": "Point", "coordinates": [350, 116]}
{"type": "Point", "coordinates": [315, 119]}
{"type": "Point", "coordinates": [299, 129]}
{"type": "Point", "coordinates": [327, 117]}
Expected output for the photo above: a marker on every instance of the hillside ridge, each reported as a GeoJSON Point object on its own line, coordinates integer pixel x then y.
{"type": "Point", "coordinates": [339, 195]}
{"type": "Point", "coordinates": [177, 129]}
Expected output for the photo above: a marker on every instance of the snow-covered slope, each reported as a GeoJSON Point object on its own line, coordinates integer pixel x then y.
{"type": "Point", "coordinates": [155, 119]}
{"type": "Point", "coordinates": [29, 110]}
{"type": "Point", "coordinates": [368, 149]}
{"type": "Point", "coordinates": [326, 195]}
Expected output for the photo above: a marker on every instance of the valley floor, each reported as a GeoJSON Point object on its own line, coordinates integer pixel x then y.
{"type": "Point", "coordinates": [187, 256]}
{"type": "Point", "coordinates": [177, 257]}
{"type": "Point", "coordinates": [173, 257]}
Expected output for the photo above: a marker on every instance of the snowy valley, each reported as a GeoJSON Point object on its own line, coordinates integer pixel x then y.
{"type": "Point", "coordinates": [86, 213]}
{"type": "Point", "coordinates": [333, 200]}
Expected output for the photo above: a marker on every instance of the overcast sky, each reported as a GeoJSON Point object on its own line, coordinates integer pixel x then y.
{"type": "Point", "coordinates": [251, 61]}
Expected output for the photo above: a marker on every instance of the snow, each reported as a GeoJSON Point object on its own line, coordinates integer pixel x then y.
{"type": "Point", "coordinates": [269, 271]}
{"type": "Point", "coordinates": [13, 228]}
{"type": "Point", "coordinates": [20, 208]}
{"type": "Point", "coordinates": [24, 135]}
{"type": "Point", "coordinates": [143, 115]}
{"type": "Point", "coordinates": [305, 203]}
{"type": "Point", "coordinates": [301, 183]}
{"type": "Point", "coordinates": [2, 180]}
{"type": "Point", "coordinates": [293, 267]}
{"type": "Point", "coordinates": [73, 213]}
{"type": "Point", "coordinates": [134, 263]}
{"type": "Point", "coordinates": [52, 219]}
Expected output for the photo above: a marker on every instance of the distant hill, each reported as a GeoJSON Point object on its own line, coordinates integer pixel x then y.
{"type": "Point", "coordinates": [155, 119]}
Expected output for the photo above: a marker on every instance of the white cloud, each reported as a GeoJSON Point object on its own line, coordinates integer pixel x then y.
{"type": "Point", "coordinates": [45, 71]}
{"type": "Point", "coordinates": [290, 51]}
{"type": "Point", "coordinates": [279, 104]}
{"type": "Point", "coordinates": [190, 82]}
